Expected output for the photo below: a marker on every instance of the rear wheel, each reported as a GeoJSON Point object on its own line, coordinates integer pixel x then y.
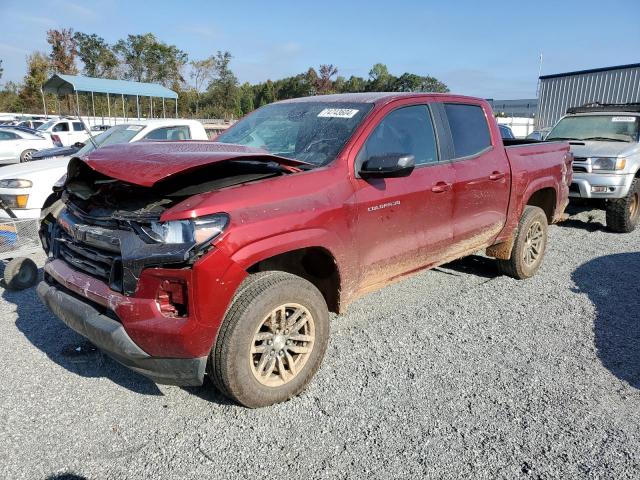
{"type": "Point", "coordinates": [272, 340]}
{"type": "Point", "coordinates": [26, 155]}
{"type": "Point", "coordinates": [529, 246]}
{"type": "Point", "coordinates": [623, 213]}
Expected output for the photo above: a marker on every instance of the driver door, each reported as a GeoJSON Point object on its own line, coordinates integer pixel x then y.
{"type": "Point", "coordinates": [403, 223]}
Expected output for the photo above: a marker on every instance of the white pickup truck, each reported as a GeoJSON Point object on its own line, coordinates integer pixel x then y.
{"type": "Point", "coordinates": [25, 187]}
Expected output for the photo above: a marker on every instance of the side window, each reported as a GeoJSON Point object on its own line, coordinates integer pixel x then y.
{"type": "Point", "coordinates": [61, 127]}
{"type": "Point", "coordinates": [8, 136]}
{"type": "Point", "coordinates": [169, 133]}
{"type": "Point", "coordinates": [469, 128]}
{"type": "Point", "coordinates": [78, 127]}
{"type": "Point", "coordinates": [407, 130]}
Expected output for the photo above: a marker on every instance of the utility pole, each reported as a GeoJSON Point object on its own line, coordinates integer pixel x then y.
{"type": "Point", "coordinates": [539, 73]}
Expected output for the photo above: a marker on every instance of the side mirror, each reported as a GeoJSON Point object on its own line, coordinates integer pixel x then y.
{"type": "Point", "coordinates": [388, 166]}
{"type": "Point", "coordinates": [78, 144]}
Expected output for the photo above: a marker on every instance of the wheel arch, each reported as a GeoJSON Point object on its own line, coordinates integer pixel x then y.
{"type": "Point", "coordinates": [300, 253]}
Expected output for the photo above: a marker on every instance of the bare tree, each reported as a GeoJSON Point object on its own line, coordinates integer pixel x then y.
{"type": "Point", "coordinates": [202, 73]}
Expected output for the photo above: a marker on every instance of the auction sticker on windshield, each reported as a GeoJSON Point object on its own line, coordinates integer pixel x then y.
{"type": "Point", "coordinates": [338, 113]}
{"type": "Point", "coordinates": [623, 119]}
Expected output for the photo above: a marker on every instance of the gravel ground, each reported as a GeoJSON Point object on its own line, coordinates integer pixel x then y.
{"type": "Point", "coordinates": [453, 373]}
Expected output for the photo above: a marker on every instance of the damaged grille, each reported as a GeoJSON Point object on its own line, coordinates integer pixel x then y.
{"type": "Point", "coordinates": [110, 250]}
{"type": "Point", "coordinates": [96, 262]}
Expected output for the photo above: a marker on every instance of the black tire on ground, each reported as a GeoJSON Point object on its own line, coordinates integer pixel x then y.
{"type": "Point", "coordinates": [232, 364]}
{"type": "Point", "coordinates": [623, 213]}
{"type": "Point", "coordinates": [20, 273]}
{"type": "Point", "coordinates": [529, 246]}
{"type": "Point", "coordinates": [26, 155]}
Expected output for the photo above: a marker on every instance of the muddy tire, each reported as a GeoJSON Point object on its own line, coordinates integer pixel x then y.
{"type": "Point", "coordinates": [272, 339]}
{"type": "Point", "coordinates": [26, 155]}
{"type": "Point", "coordinates": [20, 273]}
{"type": "Point", "coordinates": [623, 213]}
{"type": "Point", "coordinates": [529, 246]}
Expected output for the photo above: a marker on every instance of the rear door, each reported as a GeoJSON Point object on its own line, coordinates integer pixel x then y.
{"type": "Point", "coordinates": [482, 177]}
{"type": "Point", "coordinates": [403, 223]}
{"type": "Point", "coordinates": [8, 146]}
{"type": "Point", "coordinates": [79, 133]}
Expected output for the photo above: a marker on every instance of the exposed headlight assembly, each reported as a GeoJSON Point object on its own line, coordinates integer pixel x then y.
{"type": "Point", "coordinates": [199, 230]}
{"type": "Point", "coordinates": [15, 183]}
{"type": "Point", "coordinates": [608, 163]}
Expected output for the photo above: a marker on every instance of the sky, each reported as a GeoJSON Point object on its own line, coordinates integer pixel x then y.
{"type": "Point", "coordinates": [485, 48]}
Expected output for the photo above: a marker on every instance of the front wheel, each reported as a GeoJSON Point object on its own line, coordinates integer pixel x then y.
{"type": "Point", "coordinates": [529, 245]}
{"type": "Point", "coordinates": [272, 339]}
{"type": "Point", "coordinates": [623, 213]}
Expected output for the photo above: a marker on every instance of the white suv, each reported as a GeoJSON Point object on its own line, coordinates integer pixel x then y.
{"type": "Point", "coordinates": [66, 131]}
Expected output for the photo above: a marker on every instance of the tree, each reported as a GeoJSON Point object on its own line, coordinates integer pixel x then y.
{"type": "Point", "coordinates": [355, 84]}
{"type": "Point", "coordinates": [246, 98]}
{"type": "Point", "coordinates": [96, 55]}
{"type": "Point", "coordinates": [223, 95]}
{"type": "Point", "coordinates": [379, 78]}
{"type": "Point", "coordinates": [202, 72]}
{"type": "Point", "coordinates": [37, 72]}
{"type": "Point", "coordinates": [410, 82]}
{"type": "Point", "coordinates": [145, 59]}
{"type": "Point", "coordinates": [324, 83]}
{"type": "Point", "coordinates": [63, 51]}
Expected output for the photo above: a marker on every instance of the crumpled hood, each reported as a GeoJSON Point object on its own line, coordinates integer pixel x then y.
{"type": "Point", "coordinates": [147, 163]}
{"type": "Point", "coordinates": [592, 148]}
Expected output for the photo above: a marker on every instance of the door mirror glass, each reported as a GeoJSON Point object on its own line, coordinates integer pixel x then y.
{"type": "Point", "coordinates": [388, 166]}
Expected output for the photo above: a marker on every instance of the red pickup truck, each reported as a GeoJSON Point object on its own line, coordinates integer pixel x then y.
{"type": "Point", "coordinates": [186, 259]}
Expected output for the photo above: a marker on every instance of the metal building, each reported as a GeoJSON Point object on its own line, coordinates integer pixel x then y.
{"type": "Point", "coordinates": [558, 92]}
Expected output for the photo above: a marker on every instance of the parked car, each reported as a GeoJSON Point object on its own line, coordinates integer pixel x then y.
{"type": "Point", "coordinates": [180, 259]}
{"type": "Point", "coordinates": [605, 141]}
{"type": "Point", "coordinates": [539, 135]}
{"type": "Point", "coordinates": [54, 152]}
{"type": "Point", "coordinates": [33, 124]}
{"type": "Point", "coordinates": [17, 145]}
{"type": "Point", "coordinates": [35, 180]}
{"type": "Point", "coordinates": [66, 130]}
{"type": "Point", "coordinates": [506, 133]}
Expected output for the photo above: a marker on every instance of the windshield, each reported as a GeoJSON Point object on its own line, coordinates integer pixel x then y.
{"type": "Point", "coordinates": [605, 128]}
{"type": "Point", "coordinates": [313, 132]}
{"type": "Point", "coordinates": [117, 134]}
{"type": "Point", "coordinates": [47, 125]}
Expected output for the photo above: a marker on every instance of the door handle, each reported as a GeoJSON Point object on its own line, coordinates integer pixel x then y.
{"type": "Point", "coordinates": [496, 176]}
{"type": "Point", "coordinates": [441, 187]}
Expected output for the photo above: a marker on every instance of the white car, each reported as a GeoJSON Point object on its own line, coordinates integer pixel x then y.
{"type": "Point", "coordinates": [18, 145]}
{"type": "Point", "coordinates": [66, 131]}
{"type": "Point", "coordinates": [25, 187]}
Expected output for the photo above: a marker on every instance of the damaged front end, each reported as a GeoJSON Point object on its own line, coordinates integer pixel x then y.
{"type": "Point", "coordinates": [111, 230]}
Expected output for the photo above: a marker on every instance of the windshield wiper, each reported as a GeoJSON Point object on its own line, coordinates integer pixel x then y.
{"type": "Point", "coordinates": [561, 138]}
{"type": "Point", "coordinates": [605, 139]}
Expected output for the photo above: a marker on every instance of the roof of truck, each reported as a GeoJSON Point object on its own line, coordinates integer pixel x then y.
{"type": "Point", "coordinates": [366, 97]}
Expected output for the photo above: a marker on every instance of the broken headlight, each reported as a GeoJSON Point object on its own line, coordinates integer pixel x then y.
{"type": "Point", "coordinates": [196, 230]}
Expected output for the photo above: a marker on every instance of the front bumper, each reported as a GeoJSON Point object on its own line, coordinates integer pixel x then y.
{"type": "Point", "coordinates": [111, 337]}
{"type": "Point", "coordinates": [617, 186]}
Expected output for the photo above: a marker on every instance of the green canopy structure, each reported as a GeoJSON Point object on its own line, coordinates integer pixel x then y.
{"type": "Point", "coordinates": [60, 84]}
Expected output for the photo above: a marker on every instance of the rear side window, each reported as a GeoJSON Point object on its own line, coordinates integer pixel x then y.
{"type": "Point", "coordinates": [8, 136]}
{"type": "Point", "coordinates": [78, 127]}
{"type": "Point", "coordinates": [469, 129]}
{"type": "Point", "coordinates": [407, 130]}
{"type": "Point", "coordinates": [169, 133]}
{"type": "Point", "coordinates": [61, 127]}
